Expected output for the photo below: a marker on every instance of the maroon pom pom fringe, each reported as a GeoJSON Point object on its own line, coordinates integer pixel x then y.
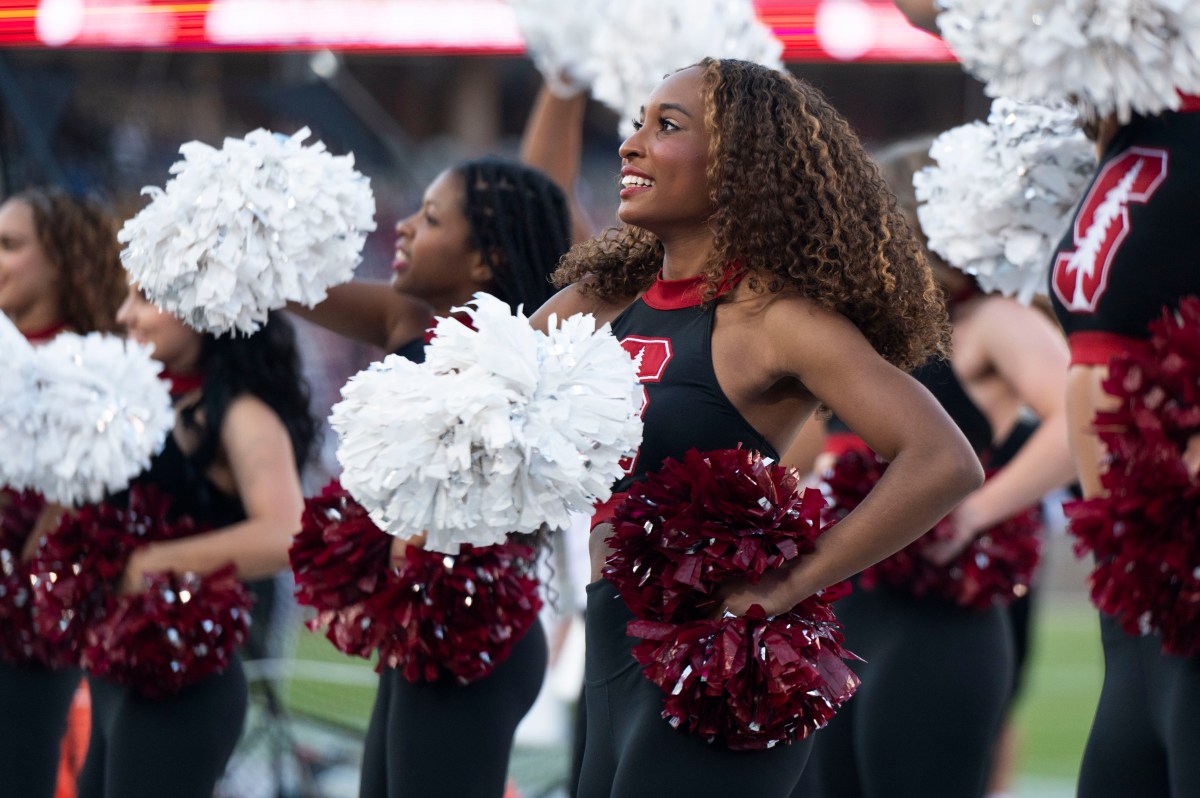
{"type": "Point", "coordinates": [437, 616]}
{"type": "Point", "coordinates": [20, 644]}
{"type": "Point", "coordinates": [745, 683]}
{"type": "Point", "coordinates": [997, 566]}
{"type": "Point", "coordinates": [1145, 531]}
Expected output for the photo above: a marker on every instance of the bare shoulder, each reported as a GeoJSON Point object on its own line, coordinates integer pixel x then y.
{"type": "Point", "coordinates": [249, 417]}
{"type": "Point", "coordinates": [573, 299]}
{"type": "Point", "coordinates": [786, 315]}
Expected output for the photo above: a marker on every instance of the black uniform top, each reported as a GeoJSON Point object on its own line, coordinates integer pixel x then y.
{"type": "Point", "coordinates": [1134, 244]}
{"type": "Point", "coordinates": [683, 406]}
{"type": "Point", "coordinates": [192, 493]}
{"type": "Point", "coordinates": [939, 379]}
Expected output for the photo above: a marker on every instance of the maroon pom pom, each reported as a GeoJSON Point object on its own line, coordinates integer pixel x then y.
{"type": "Point", "coordinates": [685, 530]}
{"type": "Point", "coordinates": [1145, 531]}
{"type": "Point", "coordinates": [749, 682]}
{"type": "Point", "coordinates": [681, 534]}
{"type": "Point", "coordinates": [183, 628]}
{"type": "Point", "coordinates": [339, 557]}
{"type": "Point", "coordinates": [447, 615]}
{"type": "Point", "coordinates": [997, 566]}
{"type": "Point", "coordinates": [20, 644]}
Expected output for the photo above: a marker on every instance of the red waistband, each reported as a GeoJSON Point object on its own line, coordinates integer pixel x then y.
{"type": "Point", "coordinates": [1191, 102]}
{"type": "Point", "coordinates": [1090, 348]}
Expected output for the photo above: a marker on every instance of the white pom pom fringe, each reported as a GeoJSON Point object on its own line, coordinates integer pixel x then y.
{"type": "Point", "coordinates": [1001, 194]}
{"type": "Point", "coordinates": [503, 428]}
{"type": "Point", "coordinates": [248, 228]}
{"type": "Point", "coordinates": [101, 413]}
{"type": "Point", "coordinates": [622, 49]}
{"type": "Point", "coordinates": [1109, 56]}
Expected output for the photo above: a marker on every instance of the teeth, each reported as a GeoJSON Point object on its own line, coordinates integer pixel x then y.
{"type": "Point", "coordinates": [634, 180]}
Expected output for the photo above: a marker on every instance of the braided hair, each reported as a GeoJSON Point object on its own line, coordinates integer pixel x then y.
{"type": "Point", "coordinates": [520, 223]}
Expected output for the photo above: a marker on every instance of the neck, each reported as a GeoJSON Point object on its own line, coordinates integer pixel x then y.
{"type": "Point", "coordinates": [36, 320]}
{"type": "Point", "coordinates": [686, 256]}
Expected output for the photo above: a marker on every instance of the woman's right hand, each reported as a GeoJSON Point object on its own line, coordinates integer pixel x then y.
{"type": "Point", "coordinates": [399, 550]}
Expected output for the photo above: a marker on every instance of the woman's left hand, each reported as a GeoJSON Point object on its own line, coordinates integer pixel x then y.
{"type": "Point", "coordinates": [133, 580]}
{"type": "Point", "coordinates": [963, 532]}
{"type": "Point", "coordinates": [772, 592]}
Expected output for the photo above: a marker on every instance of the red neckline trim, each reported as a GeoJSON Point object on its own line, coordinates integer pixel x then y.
{"type": "Point", "coordinates": [431, 330]}
{"type": "Point", "coordinates": [182, 383]}
{"type": "Point", "coordinates": [1191, 102]}
{"type": "Point", "coordinates": [44, 334]}
{"type": "Point", "coordinates": [1091, 348]}
{"type": "Point", "coordinates": [688, 292]}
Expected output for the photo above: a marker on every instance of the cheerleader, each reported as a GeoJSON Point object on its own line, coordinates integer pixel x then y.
{"type": "Point", "coordinates": [762, 269]}
{"type": "Point", "coordinates": [938, 676]}
{"type": "Point", "coordinates": [1147, 725]}
{"type": "Point", "coordinates": [231, 464]}
{"type": "Point", "coordinates": [484, 225]}
{"type": "Point", "coordinates": [59, 270]}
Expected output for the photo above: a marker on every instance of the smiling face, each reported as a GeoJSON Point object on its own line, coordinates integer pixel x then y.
{"type": "Point", "coordinates": [29, 283]}
{"type": "Point", "coordinates": [435, 259]}
{"type": "Point", "coordinates": [664, 180]}
{"type": "Point", "coordinates": [176, 345]}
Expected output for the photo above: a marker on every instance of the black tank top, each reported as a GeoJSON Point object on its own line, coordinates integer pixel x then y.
{"type": "Point", "coordinates": [940, 380]}
{"type": "Point", "coordinates": [684, 407]}
{"type": "Point", "coordinates": [192, 493]}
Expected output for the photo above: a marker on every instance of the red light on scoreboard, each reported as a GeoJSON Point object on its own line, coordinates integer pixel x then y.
{"type": "Point", "coordinates": [821, 30]}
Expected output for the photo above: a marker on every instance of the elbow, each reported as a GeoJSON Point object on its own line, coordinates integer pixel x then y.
{"type": "Point", "coordinates": [966, 469]}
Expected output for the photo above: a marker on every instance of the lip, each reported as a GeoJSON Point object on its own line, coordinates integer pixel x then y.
{"type": "Point", "coordinates": [632, 191]}
{"type": "Point", "coordinates": [399, 264]}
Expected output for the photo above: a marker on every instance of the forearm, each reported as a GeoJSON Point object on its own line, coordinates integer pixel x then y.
{"type": "Point", "coordinates": [918, 489]}
{"type": "Point", "coordinates": [1043, 464]}
{"type": "Point", "coordinates": [359, 310]}
{"type": "Point", "coordinates": [920, 13]}
{"type": "Point", "coordinates": [257, 548]}
{"type": "Point", "coordinates": [553, 144]}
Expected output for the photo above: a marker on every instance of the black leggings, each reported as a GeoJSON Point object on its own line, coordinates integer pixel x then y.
{"type": "Point", "coordinates": [934, 690]}
{"type": "Point", "coordinates": [33, 716]}
{"type": "Point", "coordinates": [1145, 739]}
{"type": "Point", "coordinates": [631, 752]}
{"type": "Point", "coordinates": [433, 739]}
{"type": "Point", "coordinates": [176, 746]}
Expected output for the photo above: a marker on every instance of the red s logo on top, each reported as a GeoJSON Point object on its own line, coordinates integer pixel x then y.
{"type": "Point", "coordinates": [1080, 278]}
{"type": "Point", "coordinates": [656, 354]}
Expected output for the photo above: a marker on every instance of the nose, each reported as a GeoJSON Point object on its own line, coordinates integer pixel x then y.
{"type": "Point", "coordinates": [125, 312]}
{"type": "Point", "coordinates": [404, 227]}
{"type": "Point", "coordinates": [631, 147]}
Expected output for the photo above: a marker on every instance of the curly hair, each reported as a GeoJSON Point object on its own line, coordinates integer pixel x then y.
{"type": "Point", "coordinates": [798, 206]}
{"type": "Point", "coordinates": [79, 237]}
{"type": "Point", "coordinates": [520, 223]}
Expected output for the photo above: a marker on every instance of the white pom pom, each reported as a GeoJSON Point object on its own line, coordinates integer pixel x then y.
{"type": "Point", "coordinates": [102, 413]}
{"type": "Point", "coordinates": [502, 429]}
{"type": "Point", "coordinates": [1109, 56]}
{"type": "Point", "coordinates": [245, 229]}
{"type": "Point", "coordinates": [1001, 194]}
{"type": "Point", "coordinates": [18, 407]}
{"type": "Point", "coordinates": [624, 48]}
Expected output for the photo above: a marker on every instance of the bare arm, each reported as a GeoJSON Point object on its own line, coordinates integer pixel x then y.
{"type": "Point", "coordinates": [932, 465]}
{"type": "Point", "coordinates": [920, 13]}
{"type": "Point", "coordinates": [553, 143]}
{"type": "Point", "coordinates": [1031, 356]}
{"type": "Point", "coordinates": [259, 452]}
{"type": "Point", "coordinates": [806, 448]}
{"type": "Point", "coordinates": [373, 313]}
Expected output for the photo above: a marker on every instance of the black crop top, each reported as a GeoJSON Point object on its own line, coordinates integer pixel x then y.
{"type": "Point", "coordinates": [1134, 244]}
{"type": "Point", "coordinates": [684, 407]}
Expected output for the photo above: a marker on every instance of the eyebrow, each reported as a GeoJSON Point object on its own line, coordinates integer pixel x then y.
{"type": "Point", "coordinates": [670, 107]}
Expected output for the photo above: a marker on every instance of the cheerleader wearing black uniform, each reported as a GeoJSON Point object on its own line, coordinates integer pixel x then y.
{"type": "Point", "coordinates": [750, 273]}
{"type": "Point", "coordinates": [1131, 251]}
{"type": "Point", "coordinates": [485, 225]}
{"type": "Point", "coordinates": [232, 462]}
{"type": "Point", "coordinates": [60, 270]}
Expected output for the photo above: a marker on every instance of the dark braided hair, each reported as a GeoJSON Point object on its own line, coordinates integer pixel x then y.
{"type": "Point", "coordinates": [521, 225]}
{"type": "Point", "coordinates": [265, 365]}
